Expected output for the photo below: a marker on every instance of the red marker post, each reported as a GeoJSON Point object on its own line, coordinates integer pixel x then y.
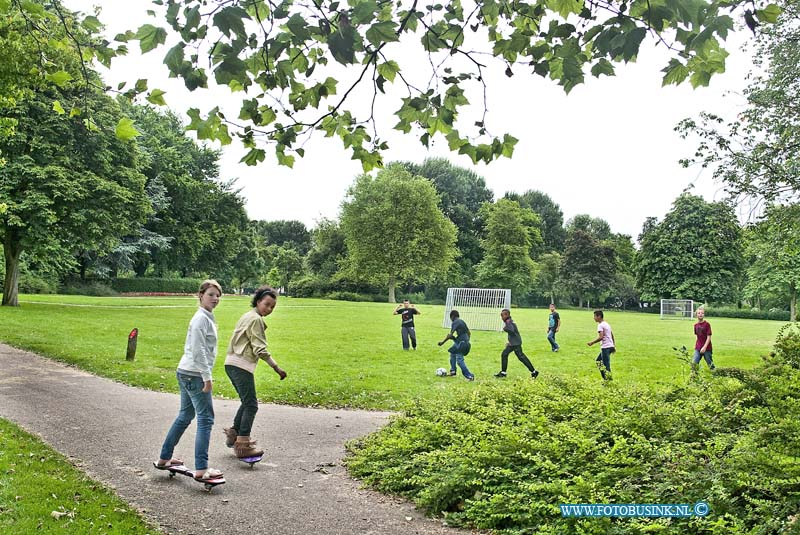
{"type": "Point", "coordinates": [132, 344]}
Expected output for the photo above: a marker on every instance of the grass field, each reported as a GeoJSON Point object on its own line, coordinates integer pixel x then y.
{"type": "Point", "coordinates": [342, 354]}
{"type": "Point", "coordinates": [41, 492]}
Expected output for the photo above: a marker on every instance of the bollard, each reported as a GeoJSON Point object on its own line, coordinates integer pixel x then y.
{"type": "Point", "coordinates": [132, 344]}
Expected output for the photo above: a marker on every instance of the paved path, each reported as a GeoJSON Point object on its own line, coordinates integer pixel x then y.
{"type": "Point", "coordinates": [300, 487]}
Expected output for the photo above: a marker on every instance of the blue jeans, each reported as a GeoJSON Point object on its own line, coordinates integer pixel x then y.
{"type": "Point", "coordinates": [457, 353]}
{"type": "Point", "coordinates": [551, 337]}
{"type": "Point", "coordinates": [193, 401]}
{"type": "Point", "coordinates": [604, 361]}
{"type": "Point", "coordinates": [705, 355]}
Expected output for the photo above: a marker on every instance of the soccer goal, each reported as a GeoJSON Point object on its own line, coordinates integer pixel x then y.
{"type": "Point", "coordinates": [677, 309]}
{"type": "Point", "coordinates": [479, 307]}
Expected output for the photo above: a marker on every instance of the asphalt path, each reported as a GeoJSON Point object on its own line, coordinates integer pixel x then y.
{"type": "Point", "coordinates": [114, 432]}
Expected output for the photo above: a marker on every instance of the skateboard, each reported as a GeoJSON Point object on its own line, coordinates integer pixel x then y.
{"type": "Point", "coordinates": [252, 460]}
{"type": "Point", "coordinates": [184, 471]}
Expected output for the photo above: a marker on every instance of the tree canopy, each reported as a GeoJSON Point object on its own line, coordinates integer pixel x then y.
{"type": "Point", "coordinates": [394, 229]}
{"type": "Point", "coordinates": [756, 153]}
{"type": "Point", "coordinates": [694, 253]}
{"type": "Point", "coordinates": [286, 60]}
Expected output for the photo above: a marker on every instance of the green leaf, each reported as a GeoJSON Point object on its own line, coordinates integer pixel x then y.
{"type": "Point", "coordinates": [297, 25]}
{"type": "Point", "coordinates": [231, 20]}
{"type": "Point", "coordinates": [253, 157]}
{"type": "Point", "coordinates": [58, 108]}
{"type": "Point", "coordinates": [363, 12]}
{"type": "Point", "coordinates": [769, 14]}
{"type": "Point", "coordinates": [156, 97]}
{"type": "Point", "coordinates": [603, 66]}
{"type": "Point", "coordinates": [675, 73]}
{"type": "Point", "coordinates": [175, 58]}
{"type": "Point", "coordinates": [92, 24]}
{"type": "Point", "coordinates": [565, 7]}
{"type": "Point", "coordinates": [150, 37]}
{"type": "Point", "coordinates": [389, 70]}
{"type": "Point", "coordinates": [283, 159]}
{"type": "Point", "coordinates": [382, 32]}
{"type": "Point", "coordinates": [343, 44]}
{"type": "Point", "coordinates": [632, 41]}
{"type": "Point", "coordinates": [125, 130]}
{"type": "Point", "coordinates": [59, 78]}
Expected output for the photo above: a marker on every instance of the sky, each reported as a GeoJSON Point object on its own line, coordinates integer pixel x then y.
{"type": "Point", "coordinates": [607, 149]}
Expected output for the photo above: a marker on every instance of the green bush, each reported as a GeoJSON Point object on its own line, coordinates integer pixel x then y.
{"type": "Point", "coordinates": [505, 455]}
{"type": "Point", "coordinates": [747, 313]}
{"type": "Point", "coordinates": [156, 285]}
{"type": "Point", "coordinates": [34, 284]}
{"type": "Point", "coordinates": [93, 288]}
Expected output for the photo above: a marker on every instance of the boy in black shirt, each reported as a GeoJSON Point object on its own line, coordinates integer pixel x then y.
{"type": "Point", "coordinates": [514, 345]}
{"type": "Point", "coordinates": [407, 311]}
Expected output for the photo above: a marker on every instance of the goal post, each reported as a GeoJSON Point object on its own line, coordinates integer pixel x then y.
{"type": "Point", "coordinates": [677, 309]}
{"type": "Point", "coordinates": [478, 307]}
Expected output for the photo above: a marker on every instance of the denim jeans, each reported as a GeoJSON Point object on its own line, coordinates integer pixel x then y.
{"type": "Point", "coordinates": [245, 384]}
{"type": "Point", "coordinates": [604, 361]}
{"type": "Point", "coordinates": [551, 337]}
{"type": "Point", "coordinates": [705, 355]}
{"type": "Point", "coordinates": [408, 332]}
{"type": "Point", "coordinates": [193, 401]}
{"type": "Point", "coordinates": [457, 352]}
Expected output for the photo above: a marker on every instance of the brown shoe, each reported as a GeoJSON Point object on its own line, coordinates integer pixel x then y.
{"type": "Point", "coordinates": [244, 447]}
{"type": "Point", "coordinates": [230, 436]}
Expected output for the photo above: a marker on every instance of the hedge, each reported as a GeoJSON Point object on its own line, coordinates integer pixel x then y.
{"type": "Point", "coordinates": [156, 285]}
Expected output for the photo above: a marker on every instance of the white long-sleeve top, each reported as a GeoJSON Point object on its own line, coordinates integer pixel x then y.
{"type": "Point", "coordinates": [200, 350]}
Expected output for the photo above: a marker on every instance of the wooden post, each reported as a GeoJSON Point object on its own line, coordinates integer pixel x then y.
{"type": "Point", "coordinates": [132, 344]}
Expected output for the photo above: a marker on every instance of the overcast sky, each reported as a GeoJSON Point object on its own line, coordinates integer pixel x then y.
{"type": "Point", "coordinates": [607, 149]}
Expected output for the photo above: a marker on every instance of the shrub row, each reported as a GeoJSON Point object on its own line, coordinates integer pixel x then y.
{"type": "Point", "coordinates": [155, 285]}
{"type": "Point", "coordinates": [504, 456]}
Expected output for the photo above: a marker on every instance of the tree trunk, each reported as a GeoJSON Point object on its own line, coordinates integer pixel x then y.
{"type": "Point", "coordinates": [12, 251]}
{"type": "Point", "coordinates": [580, 302]}
{"type": "Point", "coordinates": [793, 303]}
{"type": "Point", "coordinates": [392, 283]}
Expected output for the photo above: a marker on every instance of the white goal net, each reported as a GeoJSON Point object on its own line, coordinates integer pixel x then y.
{"type": "Point", "coordinates": [478, 307]}
{"type": "Point", "coordinates": [677, 309]}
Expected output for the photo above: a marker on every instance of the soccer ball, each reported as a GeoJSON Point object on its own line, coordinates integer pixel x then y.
{"type": "Point", "coordinates": [441, 372]}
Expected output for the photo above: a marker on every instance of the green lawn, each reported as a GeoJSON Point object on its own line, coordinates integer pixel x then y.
{"type": "Point", "coordinates": [41, 492]}
{"type": "Point", "coordinates": [342, 354]}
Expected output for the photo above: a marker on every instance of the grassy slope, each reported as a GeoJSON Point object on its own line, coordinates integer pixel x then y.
{"type": "Point", "coordinates": [37, 481]}
{"type": "Point", "coordinates": [349, 354]}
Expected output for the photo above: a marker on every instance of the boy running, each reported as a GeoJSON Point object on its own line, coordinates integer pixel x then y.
{"type": "Point", "coordinates": [514, 345]}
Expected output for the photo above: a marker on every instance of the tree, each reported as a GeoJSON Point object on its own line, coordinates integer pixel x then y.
{"type": "Point", "coordinates": [292, 234]}
{"type": "Point", "coordinates": [511, 232]}
{"type": "Point", "coordinates": [548, 275]}
{"type": "Point", "coordinates": [285, 56]}
{"type": "Point", "coordinates": [552, 217]}
{"type": "Point", "coordinates": [463, 192]}
{"type": "Point", "coordinates": [596, 227]}
{"type": "Point", "coordinates": [285, 264]}
{"type": "Point", "coordinates": [394, 229]}
{"type": "Point", "coordinates": [694, 253]}
{"type": "Point", "coordinates": [68, 187]}
{"type": "Point", "coordinates": [328, 250]}
{"type": "Point", "coordinates": [756, 153]}
{"type": "Point", "coordinates": [46, 46]}
{"type": "Point", "coordinates": [589, 266]}
{"type": "Point", "coordinates": [774, 247]}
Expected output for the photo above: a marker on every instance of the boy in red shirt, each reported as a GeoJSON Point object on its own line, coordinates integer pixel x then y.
{"type": "Point", "coordinates": [702, 348]}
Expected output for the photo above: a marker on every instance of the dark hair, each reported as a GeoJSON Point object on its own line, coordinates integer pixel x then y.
{"type": "Point", "coordinates": [262, 292]}
{"type": "Point", "coordinates": [506, 310]}
{"type": "Point", "coordinates": [453, 314]}
{"type": "Point", "coordinates": [598, 313]}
